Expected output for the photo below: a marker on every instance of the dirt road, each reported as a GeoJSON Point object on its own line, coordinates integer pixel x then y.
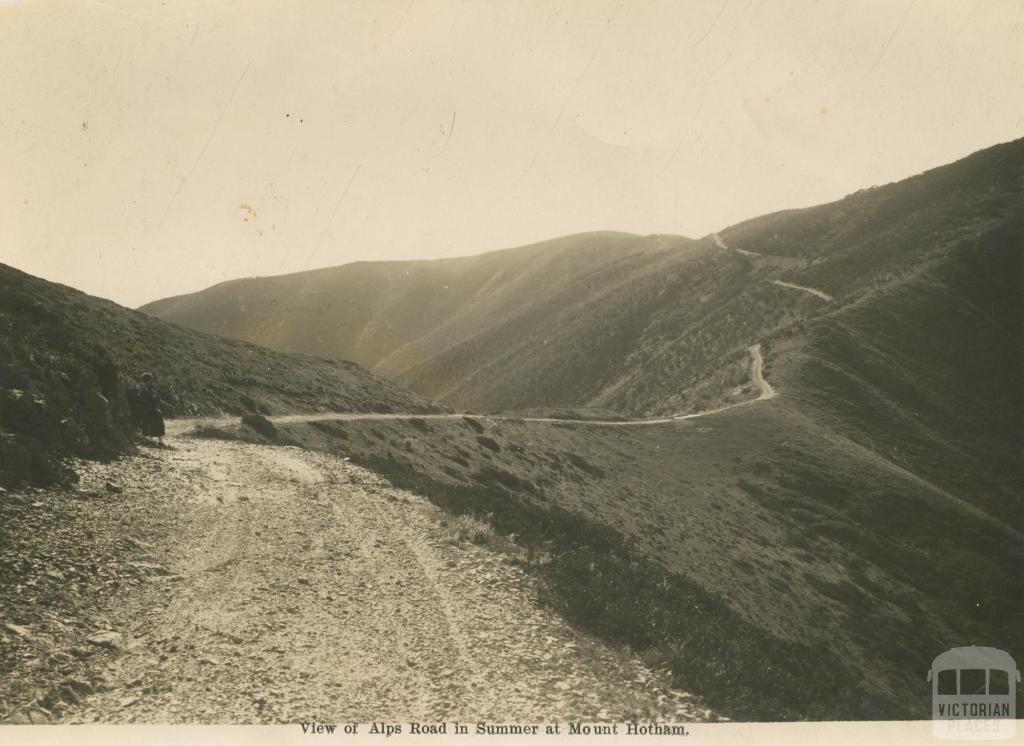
{"type": "Point", "coordinates": [813, 291]}
{"type": "Point", "coordinates": [756, 377]}
{"type": "Point", "coordinates": [291, 586]}
{"type": "Point", "coordinates": [722, 245]}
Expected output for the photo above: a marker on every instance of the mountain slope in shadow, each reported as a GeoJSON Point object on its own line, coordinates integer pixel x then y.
{"type": "Point", "coordinates": [66, 359]}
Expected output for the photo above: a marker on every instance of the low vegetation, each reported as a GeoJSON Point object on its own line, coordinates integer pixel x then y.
{"type": "Point", "coordinates": [779, 570]}
{"type": "Point", "coordinates": [66, 360]}
{"type": "Point", "coordinates": [465, 528]}
{"type": "Point", "coordinates": [641, 325]}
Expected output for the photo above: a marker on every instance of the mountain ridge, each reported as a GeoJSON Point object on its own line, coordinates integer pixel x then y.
{"type": "Point", "coordinates": [663, 321]}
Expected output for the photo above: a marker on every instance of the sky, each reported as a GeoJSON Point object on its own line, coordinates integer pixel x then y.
{"type": "Point", "coordinates": [153, 148]}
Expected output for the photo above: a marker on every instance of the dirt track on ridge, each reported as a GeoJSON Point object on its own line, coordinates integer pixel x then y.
{"type": "Point", "coordinates": [295, 586]}
{"type": "Point", "coordinates": [765, 389]}
{"type": "Point", "coordinates": [813, 291]}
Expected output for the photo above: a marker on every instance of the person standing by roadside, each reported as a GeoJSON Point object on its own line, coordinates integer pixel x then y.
{"type": "Point", "coordinates": [145, 403]}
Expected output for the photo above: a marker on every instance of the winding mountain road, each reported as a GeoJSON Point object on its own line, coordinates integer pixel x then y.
{"type": "Point", "coordinates": [813, 291]}
{"type": "Point", "coordinates": [722, 245]}
{"type": "Point", "coordinates": [765, 389]}
{"type": "Point", "coordinates": [781, 283]}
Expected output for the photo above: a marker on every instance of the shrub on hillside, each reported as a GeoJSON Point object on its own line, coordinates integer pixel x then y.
{"type": "Point", "coordinates": [465, 528]}
{"type": "Point", "coordinates": [261, 425]}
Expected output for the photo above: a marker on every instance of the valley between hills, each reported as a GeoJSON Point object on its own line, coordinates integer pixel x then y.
{"type": "Point", "coordinates": [768, 474]}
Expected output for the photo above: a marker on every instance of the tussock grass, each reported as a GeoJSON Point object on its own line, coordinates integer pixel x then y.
{"type": "Point", "coordinates": [461, 529]}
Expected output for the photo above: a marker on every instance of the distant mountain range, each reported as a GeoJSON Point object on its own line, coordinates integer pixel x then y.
{"type": "Point", "coordinates": [893, 315]}
{"type": "Point", "coordinates": [640, 325]}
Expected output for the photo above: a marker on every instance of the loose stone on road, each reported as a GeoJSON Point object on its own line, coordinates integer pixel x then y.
{"type": "Point", "coordinates": [300, 587]}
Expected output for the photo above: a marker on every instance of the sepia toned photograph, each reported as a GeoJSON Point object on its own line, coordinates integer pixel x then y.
{"type": "Point", "coordinates": [427, 369]}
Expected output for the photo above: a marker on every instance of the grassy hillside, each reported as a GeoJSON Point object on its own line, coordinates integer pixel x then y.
{"type": "Point", "coordinates": [556, 324]}
{"type": "Point", "coordinates": [638, 325]}
{"type": "Point", "coordinates": [65, 358]}
{"type": "Point", "coordinates": [928, 374]}
{"type": "Point", "coordinates": [781, 569]}
{"type": "Point", "coordinates": [394, 314]}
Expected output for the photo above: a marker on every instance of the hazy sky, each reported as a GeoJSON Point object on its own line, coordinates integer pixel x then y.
{"type": "Point", "coordinates": [153, 148]}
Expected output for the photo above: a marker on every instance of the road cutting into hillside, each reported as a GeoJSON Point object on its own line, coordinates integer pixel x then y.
{"type": "Point", "coordinates": [813, 291]}
{"type": "Point", "coordinates": [765, 392]}
{"type": "Point", "coordinates": [293, 586]}
{"type": "Point", "coordinates": [722, 245]}
{"type": "Point", "coordinates": [784, 259]}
